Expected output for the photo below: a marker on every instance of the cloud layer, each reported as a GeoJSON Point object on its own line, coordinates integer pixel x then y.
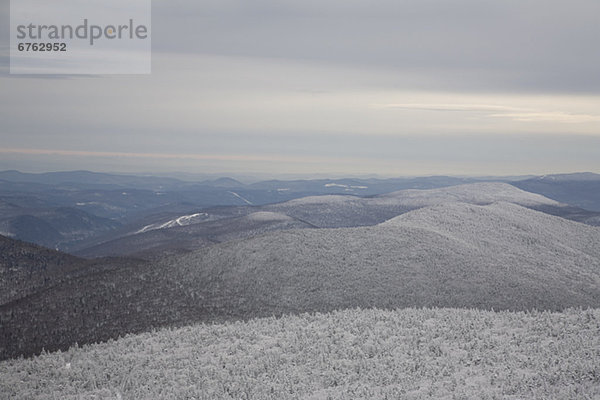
{"type": "Point", "coordinates": [385, 87]}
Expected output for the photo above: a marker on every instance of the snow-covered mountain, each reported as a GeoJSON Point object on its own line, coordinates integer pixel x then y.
{"type": "Point", "coordinates": [474, 193]}
{"type": "Point", "coordinates": [327, 211]}
{"type": "Point", "coordinates": [187, 235]}
{"type": "Point", "coordinates": [501, 256]}
{"type": "Point", "coordinates": [333, 211]}
{"type": "Point", "coordinates": [496, 255]}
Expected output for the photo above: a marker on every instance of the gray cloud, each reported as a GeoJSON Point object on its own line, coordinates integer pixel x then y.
{"type": "Point", "coordinates": [511, 45]}
{"type": "Point", "coordinates": [386, 155]}
{"type": "Point", "coordinates": [395, 87]}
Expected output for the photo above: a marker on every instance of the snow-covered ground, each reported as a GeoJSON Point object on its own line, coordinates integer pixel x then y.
{"type": "Point", "coordinates": [352, 354]}
{"type": "Point", "coordinates": [179, 221]}
{"type": "Point", "coordinates": [241, 198]}
{"type": "Point", "coordinates": [266, 216]}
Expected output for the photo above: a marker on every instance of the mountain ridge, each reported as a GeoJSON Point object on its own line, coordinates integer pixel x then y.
{"type": "Point", "coordinates": [498, 256]}
{"type": "Point", "coordinates": [329, 211]}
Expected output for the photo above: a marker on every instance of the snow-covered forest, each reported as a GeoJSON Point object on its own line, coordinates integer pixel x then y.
{"type": "Point", "coordinates": [351, 354]}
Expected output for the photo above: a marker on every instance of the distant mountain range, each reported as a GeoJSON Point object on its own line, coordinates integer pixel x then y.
{"type": "Point", "coordinates": [77, 210]}
{"type": "Point", "coordinates": [92, 179]}
{"type": "Point", "coordinates": [467, 246]}
{"type": "Point", "coordinates": [215, 225]}
{"type": "Point", "coordinates": [581, 190]}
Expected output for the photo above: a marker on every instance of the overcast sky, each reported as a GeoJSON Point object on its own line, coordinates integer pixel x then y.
{"type": "Point", "coordinates": [344, 87]}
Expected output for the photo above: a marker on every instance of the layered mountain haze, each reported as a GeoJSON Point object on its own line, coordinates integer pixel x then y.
{"type": "Point", "coordinates": [79, 210]}
{"type": "Point", "coordinates": [581, 190]}
{"type": "Point", "coordinates": [475, 193]}
{"type": "Point", "coordinates": [52, 226]}
{"type": "Point", "coordinates": [326, 211]}
{"type": "Point", "coordinates": [301, 200]}
{"type": "Point", "coordinates": [347, 211]}
{"type": "Point", "coordinates": [500, 256]}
